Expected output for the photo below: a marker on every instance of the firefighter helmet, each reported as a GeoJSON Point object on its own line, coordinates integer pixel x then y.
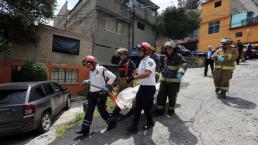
{"type": "Point", "coordinates": [226, 40]}
{"type": "Point", "coordinates": [121, 50]}
{"type": "Point", "coordinates": [170, 44]}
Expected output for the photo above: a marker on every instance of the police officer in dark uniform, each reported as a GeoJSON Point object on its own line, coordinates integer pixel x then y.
{"type": "Point", "coordinates": [97, 94]}
{"type": "Point", "coordinates": [126, 68]}
{"type": "Point", "coordinates": [172, 73]}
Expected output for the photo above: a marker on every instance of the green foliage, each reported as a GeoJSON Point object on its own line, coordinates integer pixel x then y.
{"type": "Point", "coordinates": [34, 72]}
{"type": "Point", "coordinates": [177, 23]}
{"type": "Point", "coordinates": [63, 128]}
{"type": "Point", "coordinates": [19, 19]}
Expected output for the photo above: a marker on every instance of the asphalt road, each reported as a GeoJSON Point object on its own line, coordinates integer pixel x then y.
{"type": "Point", "coordinates": [201, 119]}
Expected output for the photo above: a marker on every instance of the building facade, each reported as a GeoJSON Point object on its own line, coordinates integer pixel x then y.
{"type": "Point", "coordinates": [234, 18]}
{"type": "Point", "coordinates": [63, 66]}
{"type": "Point", "coordinates": [111, 23]}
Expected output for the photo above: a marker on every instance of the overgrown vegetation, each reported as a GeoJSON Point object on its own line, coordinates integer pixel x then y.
{"type": "Point", "coordinates": [31, 72]}
{"type": "Point", "coordinates": [63, 128]}
{"type": "Point", "coordinates": [19, 20]}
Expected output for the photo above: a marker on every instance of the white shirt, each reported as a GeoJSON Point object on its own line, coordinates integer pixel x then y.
{"type": "Point", "coordinates": [97, 81]}
{"type": "Point", "coordinates": [147, 64]}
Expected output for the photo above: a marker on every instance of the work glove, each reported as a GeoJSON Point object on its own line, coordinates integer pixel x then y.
{"type": "Point", "coordinates": [84, 82]}
{"type": "Point", "coordinates": [179, 76]}
{"type": "Point", "coordinates": [220, 58]}
{"type": "Point", "coordinates": [106, 88]}
{"type": "Point", "coordinates": [130, 79]}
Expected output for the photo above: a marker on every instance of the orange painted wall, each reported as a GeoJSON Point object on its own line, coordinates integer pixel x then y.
{"type": "Point", "coordinates": [82, 75]}
{"type": "Point", "coordinates": [6, 69]}
{"type": "Point", "coordinates": [210, 14]}
{"type": "Point", "coordinates": [250, 33]}
{"type": "Point", "coordinates": [6, 74]}
{"type": "Point", "coordinates": [206, 39]}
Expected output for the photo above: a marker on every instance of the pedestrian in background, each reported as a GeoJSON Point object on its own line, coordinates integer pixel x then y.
{"type": "Point", "coordinates": [249, 50]}
{"type": "Point", "coordinates": [208, 61]}
{"type": "Point", "coordinates": [240, 48]}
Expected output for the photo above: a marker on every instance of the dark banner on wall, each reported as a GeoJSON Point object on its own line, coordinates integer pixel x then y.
{"type": "Point", "coordinates": [66, 45]}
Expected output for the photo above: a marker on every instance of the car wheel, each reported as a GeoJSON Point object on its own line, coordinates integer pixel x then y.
{"type": "Point", "coordinates": [45, 122]}
{"type": "Point", "coordinates": [68, 103]}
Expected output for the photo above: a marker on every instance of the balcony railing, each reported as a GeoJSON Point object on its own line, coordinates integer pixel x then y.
{"type": "Point", "coordinates": [249, 21]}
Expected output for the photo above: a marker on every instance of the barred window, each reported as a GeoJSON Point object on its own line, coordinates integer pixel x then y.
{"type": "Point", "coordinates": [64, 76]}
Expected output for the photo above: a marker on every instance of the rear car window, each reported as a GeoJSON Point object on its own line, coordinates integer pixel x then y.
{"type": "Point", "coordinates": [48, 89]}
{"type": "Point", "coordinates": [36, 93]}
{"type": "Point", "coordinates": [57, 87]}
{"type": "Point", "coordinates": [11, 97]}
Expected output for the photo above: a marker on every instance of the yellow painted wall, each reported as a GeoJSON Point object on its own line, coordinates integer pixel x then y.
{"type": "Point", "coordinates": [206, 39]}
{"type": "Point", "coordinates": [250, 33]}
{"type": "Point", "coordinates": [210, 14]}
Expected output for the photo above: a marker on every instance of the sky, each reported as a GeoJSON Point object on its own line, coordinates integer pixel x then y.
{"type": "Point", "coordinates": [161, 3]}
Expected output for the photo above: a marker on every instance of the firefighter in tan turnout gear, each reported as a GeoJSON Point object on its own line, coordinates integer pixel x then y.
{"type": "Point", "coordinates": [172, 73]}
{"type": "Point", "coordinates": [224, 58]}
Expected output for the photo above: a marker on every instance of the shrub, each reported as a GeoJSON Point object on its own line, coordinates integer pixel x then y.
{"type": "Point", "coordinates": [32, 72]}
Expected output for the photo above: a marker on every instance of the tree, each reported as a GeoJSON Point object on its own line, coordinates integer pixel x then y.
{"type": "Point", "coordinates": [188, 4]}
{"type": "Point", "coordinates": [177, 23]}
{"type": "Point", "coordinates": [19, 19]}
{"type": "Point", "coordinates": [32, 72]}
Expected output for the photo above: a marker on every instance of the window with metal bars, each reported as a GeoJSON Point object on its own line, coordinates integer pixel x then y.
{"type": "Point", "coordinates": [64, 76]}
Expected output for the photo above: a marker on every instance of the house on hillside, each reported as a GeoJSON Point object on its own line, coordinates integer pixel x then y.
{"type": "Point", "coordinates": [111, 23]}
{"type": "Point", "coordinates": [237, 19]}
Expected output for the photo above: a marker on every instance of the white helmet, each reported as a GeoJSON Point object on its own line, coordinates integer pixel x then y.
{"type": "Point", "coordinates": [170, 43]}
{"type": "Point", "coordinates": [226, 40]}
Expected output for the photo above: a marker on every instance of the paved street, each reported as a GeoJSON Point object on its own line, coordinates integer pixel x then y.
{"type": "Point", "coordinates": [201, 119]}
{"type": "Point", "coordinates": [34, 138]}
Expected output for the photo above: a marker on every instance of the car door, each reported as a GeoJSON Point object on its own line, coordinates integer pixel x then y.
{"type": "Point", "coordinates": [39, 99]}
{"type": "Point", "coordinates": [55, 99]}
{"type": "Point", "coordinates": [59, 91]}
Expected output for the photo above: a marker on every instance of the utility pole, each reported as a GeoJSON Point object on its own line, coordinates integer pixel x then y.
{"type": "Point", "coordinates": [130, 5]}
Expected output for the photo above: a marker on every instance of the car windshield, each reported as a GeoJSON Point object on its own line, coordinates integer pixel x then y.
{"type": "Point", "coordinates": [10, 97]}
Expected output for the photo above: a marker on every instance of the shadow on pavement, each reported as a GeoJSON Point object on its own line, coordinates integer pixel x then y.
{"type": "Point", "coordinates": [179, 132]}
{"type": "Point", "coordinates": [119, 133]}
{"type": "Point", "coordinates": [18, 139]}
{"type": "Point", "coordinates": [238, 103]}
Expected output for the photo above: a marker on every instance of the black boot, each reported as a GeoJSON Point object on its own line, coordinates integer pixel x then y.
{"type": "Point", "coordinates": [82, 132]}
{"type": "Point", "coordinates": [223, 94]}
{"type": "Point", "coordinates": [111, 125]}
{"type": "Point", "coordinates": [148, 126]}
{"type": "Point", "coordinates": [171, 112]}
{"type": "Point", "coordinates": [116, 111]}
{"type": "Point", "coordinates": [217, 90]}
